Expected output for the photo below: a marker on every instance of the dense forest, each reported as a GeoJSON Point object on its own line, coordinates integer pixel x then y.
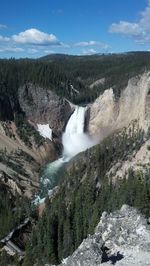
{"type": "Point", "coordinates": [62, 74]}
{"type": "Point", "coordinates": [12, 211]}
{"type": "Point", "coordinates": [62, 228]}
{"type": "Point", "coordinates": [85, 192]}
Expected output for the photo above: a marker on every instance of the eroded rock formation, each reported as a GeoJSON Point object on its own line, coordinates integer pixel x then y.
{"type": "Point", "coordinates": [20, 164]}
{"type": "Point", "coordinates": [42, 106]}
{"type": "Point", "coordinates": [107, 114]}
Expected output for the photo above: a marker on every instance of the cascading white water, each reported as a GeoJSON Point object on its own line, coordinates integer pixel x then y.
{"type": "Point", "coordinates": [74, 141]}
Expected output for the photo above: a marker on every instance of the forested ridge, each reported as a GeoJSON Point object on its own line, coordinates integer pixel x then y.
{"type": "Point", "coordinates": [60, 72]}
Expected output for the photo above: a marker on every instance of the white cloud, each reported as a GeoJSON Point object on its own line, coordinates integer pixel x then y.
{"type": "Point", "coordinates": [125, 27]}
{"type": "Point", "coordinates": [32, 51]}
{"type": "Point", "coordinates": [92, 43]}
{"type": "Point", "coordinates": [34, 41]}
{"type": "Point", "coordinates": [89, 51]}
{"type": "Point", "coordinates": [2, 26]}
{"type": "Point", "coordinates": [11, 49]}
{"type": "Point", "coordinates": [139, 30]}
{"type": "Point", "coordinates": [145, 18]}
{"type": "Point", "coordinates": [31, 41]}
{"type": "Point", "coordinates": [85, 44]}
{"type": "Point", "coordinates": [34, 36]}
{"type": "Point", "coordinates": [49, 52]}
{"type": "Point", "coordinates": [64, 45]}
{"type": "Point", "coordinates": [4, 39]}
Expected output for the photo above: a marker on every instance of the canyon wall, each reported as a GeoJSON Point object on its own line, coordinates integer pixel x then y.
{"type": "Point", "coordinates": [42, 106]}
{"type": "Point", "coordinates": [108, 114]}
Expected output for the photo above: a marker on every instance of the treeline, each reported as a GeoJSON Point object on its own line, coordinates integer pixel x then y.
{"type": "Point", "coordinates": [85, 192]}
{"type": "Point", "coordinates": [59, 73]}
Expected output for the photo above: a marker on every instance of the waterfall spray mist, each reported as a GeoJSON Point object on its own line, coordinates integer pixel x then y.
{"type": "Point", "coordinates": [74, 140]}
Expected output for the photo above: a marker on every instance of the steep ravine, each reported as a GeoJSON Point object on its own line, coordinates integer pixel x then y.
{"type": "Point", "coordinates": [82, 193]}
{"type": "Point", "coordinates": [74, 141]}
{"type": "Point", "coordinates": [87, 173]}
{"type": "Point", "coordinates": [104, 116]}
{"type": "Point", "coordinates": [86, 190]}
{"type": "Point", "coordinates": [23, 151]}
{"type": "Point", "coordinates": [107, 115]}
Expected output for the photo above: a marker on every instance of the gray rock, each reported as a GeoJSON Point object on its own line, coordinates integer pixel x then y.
{"type": "Point", "coordinates": [121, 237]}
{"type": "Point", "coordinates": [44, 106]}
{"type": "Point", "coordinates": [107, 114]}
{"type": "Point", "coordinates": [88, 252]}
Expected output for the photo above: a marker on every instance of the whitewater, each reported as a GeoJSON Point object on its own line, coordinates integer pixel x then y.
{"type": "Point", "coordinates": [74, 141]}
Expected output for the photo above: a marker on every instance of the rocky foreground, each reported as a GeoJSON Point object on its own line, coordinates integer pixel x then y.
{"type": "Point", "coordinates": [121, 238]}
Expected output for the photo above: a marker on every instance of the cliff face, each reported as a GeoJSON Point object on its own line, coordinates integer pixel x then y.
{"type": "Point", "coordinates": [19, 163]}
{"type": "Point", "coordinates": [42, 106]}
{"type": "Point", "coordinates": [107, 114]}
{"type": "Point", "coordinates": [121, 237]}
{"type": "Point", "coordinates": [22, 150]}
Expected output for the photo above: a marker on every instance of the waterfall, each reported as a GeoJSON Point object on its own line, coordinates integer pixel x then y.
{"type": "Point", "coordinates": [73, 137]}
{"type": "Point", "coordinates": [74, 140]}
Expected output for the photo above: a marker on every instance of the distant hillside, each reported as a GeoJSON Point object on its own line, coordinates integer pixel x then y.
{"type": "Point", "coordinates": [69, 76]}
{"type": "Point", "coordinates": [82, 71]}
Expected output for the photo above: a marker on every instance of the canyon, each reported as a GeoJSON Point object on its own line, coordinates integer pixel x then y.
{"type": "Point", "coordinates": [76, 152]}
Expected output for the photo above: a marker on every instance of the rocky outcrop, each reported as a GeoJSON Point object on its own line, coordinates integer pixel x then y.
{"type": "Point", "coordinates": [22, 150]}
{"type": "Point", "coordinates": [138, 161]}
{"type": "Point", "coordinates": [107, 114]}
{"type": "Point", "coordinates": [43, 106]}
{"type": "Point", "coordinates": [121, 237]}
{"type": "Point", "coordinates": [19, 176]}
{"type": "Point", "coordinates": [97, 83]}
{"type": "Point", "coordinates": [19, 163]}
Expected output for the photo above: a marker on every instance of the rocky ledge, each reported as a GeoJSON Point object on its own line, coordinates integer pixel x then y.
{"type": "Point", "coordinates": [121, 238]}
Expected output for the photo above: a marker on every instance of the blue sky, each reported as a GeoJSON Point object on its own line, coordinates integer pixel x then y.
{"type": "Point", "coordinates": [36, 28]}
